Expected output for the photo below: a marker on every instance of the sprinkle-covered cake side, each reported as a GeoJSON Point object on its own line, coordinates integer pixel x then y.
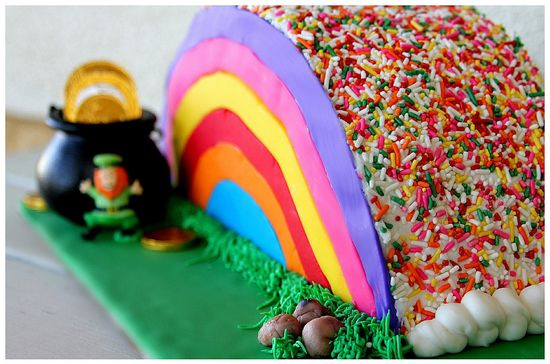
{"type": "Point", "coordinates": [444, 114]}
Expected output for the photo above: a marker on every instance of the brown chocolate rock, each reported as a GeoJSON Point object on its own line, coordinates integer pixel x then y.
{"type": "Point", "coordinates": [308, 310]}
{"type": "Point", "coordinates": [318, 334]}
{"type": "Point", "coordinates": [276, 328]}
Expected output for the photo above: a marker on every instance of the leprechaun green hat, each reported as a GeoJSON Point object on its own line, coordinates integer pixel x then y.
{"type": "Point", "coordinates": [107, 159]}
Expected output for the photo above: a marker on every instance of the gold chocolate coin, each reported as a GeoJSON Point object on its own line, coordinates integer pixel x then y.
{"type": "Point", "coordinates": [167, 239]}
{"type": "Point", "coordinates": [34, 201]}
{"type": "Point", "coordinates": [100, 92]}
{"type": "Point", "coordinates": [99, 66]}
{"type": "Point", "coordinates": [100, 107]}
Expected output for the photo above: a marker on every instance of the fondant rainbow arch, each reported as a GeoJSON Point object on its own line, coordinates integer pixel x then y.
{"type": "Point", "coordinates": [251, 134]}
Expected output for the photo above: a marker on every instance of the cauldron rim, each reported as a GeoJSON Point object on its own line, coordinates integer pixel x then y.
{"type": "Point", "coordinates": [144, 124]}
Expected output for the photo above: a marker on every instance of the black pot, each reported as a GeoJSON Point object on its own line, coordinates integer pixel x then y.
{"type": "Point", "coordinates": [68, 160]}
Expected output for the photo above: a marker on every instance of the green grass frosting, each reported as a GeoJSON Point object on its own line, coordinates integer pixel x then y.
{"type": "Point", "coordinates": [362, 336]}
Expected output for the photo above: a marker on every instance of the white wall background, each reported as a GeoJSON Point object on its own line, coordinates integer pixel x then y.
{"type": "Point", "coordinates": [44, 44]}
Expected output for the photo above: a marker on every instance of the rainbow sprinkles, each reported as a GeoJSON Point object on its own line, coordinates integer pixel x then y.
{"type": "Point", "coordinates": [392, 154]}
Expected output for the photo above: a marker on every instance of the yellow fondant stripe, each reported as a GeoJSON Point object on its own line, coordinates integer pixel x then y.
{"type": "Point", "coordinates": [222, 90]}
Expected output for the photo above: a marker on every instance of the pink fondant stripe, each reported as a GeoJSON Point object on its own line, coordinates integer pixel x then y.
{"type": "Point", "coordinates": [220, 54]}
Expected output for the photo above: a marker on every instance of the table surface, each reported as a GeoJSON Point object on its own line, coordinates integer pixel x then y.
{"type": "Point", "coordinates": [48, 313]}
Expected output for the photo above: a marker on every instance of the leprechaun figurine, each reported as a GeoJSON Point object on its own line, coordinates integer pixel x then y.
{"type": "Point", "coordinates": [111, 193]}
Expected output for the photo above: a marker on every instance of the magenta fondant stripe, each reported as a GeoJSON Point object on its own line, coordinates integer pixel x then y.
{"type": "Point", "coordinates": [281, 56]}
{"type": "Point", "coordinates": [221, 54]}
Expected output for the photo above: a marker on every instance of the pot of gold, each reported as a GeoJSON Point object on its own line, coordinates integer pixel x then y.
{"type": "Point", "coordinates": [101, 167]}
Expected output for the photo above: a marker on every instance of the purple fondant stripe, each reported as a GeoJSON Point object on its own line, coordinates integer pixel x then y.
{"type": "Point", "coordinates": [281, 56]}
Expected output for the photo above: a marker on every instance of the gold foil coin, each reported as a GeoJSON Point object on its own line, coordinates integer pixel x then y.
{"type": "Point", "coordinates": [99, 66]}
{"type": "Point", "coordinates": [100, 107]}
{"type": "Point", "coordinates": [100, 92]}
{"type": "Point", "coordinates": [167, 239]}
{"type": "Point", "coordinates": [34, 201]}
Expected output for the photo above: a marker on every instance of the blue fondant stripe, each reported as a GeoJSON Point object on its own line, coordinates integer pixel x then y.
{"type": "Point", "coordinates": [236, 209]}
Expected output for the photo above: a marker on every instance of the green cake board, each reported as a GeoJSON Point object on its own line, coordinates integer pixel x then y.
{"type": "Point", "coordinates": [175, 310]}
{"type": "Point", "coordinates": [169, 309]}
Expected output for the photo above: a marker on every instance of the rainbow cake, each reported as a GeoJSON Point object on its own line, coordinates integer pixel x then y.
{"type": "Point", "coordinates": [391, 154]}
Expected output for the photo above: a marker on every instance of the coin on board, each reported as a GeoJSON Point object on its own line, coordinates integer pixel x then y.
{"type": "Point", "coordinates": [168, 239]}
{"type": "Point", "coordinates": [33, 201]}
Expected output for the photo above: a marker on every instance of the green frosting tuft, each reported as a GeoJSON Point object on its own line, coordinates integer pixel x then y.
{"type": "Point", "coordinates": [288, 347]}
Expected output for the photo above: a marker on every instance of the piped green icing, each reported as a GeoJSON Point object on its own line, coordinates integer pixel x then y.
{"type": "Point", "coordinates": [362, 336]}
{"type": "Point", "coordinates": [288, 347]}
